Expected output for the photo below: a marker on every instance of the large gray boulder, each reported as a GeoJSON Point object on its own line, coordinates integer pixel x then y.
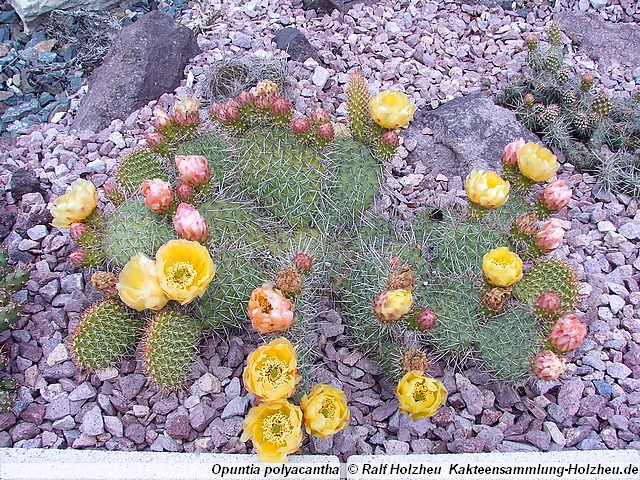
{"type": "Point", "coordinates": [146, 59]}
{"type": "Point", "coordinates": [465, 133]}
{"type": "Point", "coordinates": [603, 41]}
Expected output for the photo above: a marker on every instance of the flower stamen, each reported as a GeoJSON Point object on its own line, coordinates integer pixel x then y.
{"type": "Point", "coordinates": [328, 408]}
{"type": "Point", "coordinates": [274, 371]}
{"type": "Point", "coordinates": [276, 428]}
{"type": "Point", "coordinates": [181, 274]}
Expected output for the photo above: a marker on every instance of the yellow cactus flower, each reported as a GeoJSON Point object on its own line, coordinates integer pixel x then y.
{"type": "Point", "coordinates": [502, 267]}
{"type": "Point", "coordinates": [486, 188]}
{"type": "Point", "coordinates": [75, 205]}
{"type": "Point", "coordinates": [536, 162]}
{"type": "Point", "coordinates": [275, 429]}
{"type": "Point", "coordinates": [391, 109]}
{"type": "Point", "coordinates": [420, 396]}
{"type": "Point", "coordinates": [185, 269]}
{"type": "Point", "coordinates": [139, 286]}
{"type": "Point", "coordinates": [391, 305]}
{"type": "Point", "coordinates": [271, 372]}
{"type": "Point", "coordinates": [325, 411]}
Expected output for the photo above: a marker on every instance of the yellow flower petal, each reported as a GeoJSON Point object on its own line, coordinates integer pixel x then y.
{"type": "Point", "coordinates": [420, 396]}
{"type": "Point", "coordinates": [502, 267]}
{"type": "Point", "coordinates": [536, 162]}
{"type": "Point", "coordinates": [391, 109]}
{"type": "Point", "coordinates": [138, 285]}
{"type": "Point", "coordinates": [486, 188]}
{"type": "Point", "coordinates": [185, 269]}
{"type": "Point", "coordinates": [271, 372]}
{"type": "Point", "coordinates": [75, 205]}
{"type": "Point", "coordinates": [325, 411]}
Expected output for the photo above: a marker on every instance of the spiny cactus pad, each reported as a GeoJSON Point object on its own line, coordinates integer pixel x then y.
{"type": "Point", "coordinates": [104, 334]}
{"type": "Point", "coordinates": [140, 165]}
{"type": "Point", "coordinates": [551, 275]}
{"type": "Point", "coordinates": [169, 347]}
{"type": "Point", "coordinates": [132, 229]}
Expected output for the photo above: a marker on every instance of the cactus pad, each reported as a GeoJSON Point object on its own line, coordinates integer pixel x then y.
{"type": "Point", "coordinates": [104, 334]}
{"type": "Point", "coordinates": [140, 165]}
{"type": "Point", "coordinates": [550, 275]}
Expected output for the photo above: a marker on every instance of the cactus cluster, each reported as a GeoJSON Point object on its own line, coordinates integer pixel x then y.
{"type": "Point", "coordinates": [596, 133]}
{"type": "Point", "coordinates": [11, 280]}
{"type": "Point", "coordinates": [282, 205]}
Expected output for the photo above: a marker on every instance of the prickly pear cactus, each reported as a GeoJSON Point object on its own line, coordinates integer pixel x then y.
{"type": "Point", "coordinates": [104, 334]}
{"type": "Point", "coordinates": [11, 281]}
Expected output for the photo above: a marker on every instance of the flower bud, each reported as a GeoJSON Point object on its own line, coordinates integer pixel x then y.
{"type": "Point", "coordinates": [158, 195]}
{"type": "Point", "coordinates": [556, 196]}
{"type": "Point", "coordinates": [105, 283]}
{"type": "Point", "coordinates": [325, 131]}
{"type": "Point", "coordinates": [189, 224]}
{"type": "Point", "coordinates": [77, 256]}
{"type": "Point", "coordinates": [300, 126]}
{"type": "Point", "coordinates": [510, 153]}
{"type": "Point", "coordinates": [568, 332]}
{"type": "Point", "coordinates": [186, 112]}
{"type": "Point", "coordinates": [532, 41]}
{"type": "Point", "coordinates": [288, 281]}
{"type": "Point", "coordinates": [264, 102]}
{"type": "Point", "coordinates": [392, 305]}
{"type": "Point", "coordinates": [154, 139]}
{"type": "Point", "coordinates": [185, 191]}
{"type": "Point", "coordinates": [529, 100]}
{"type": "Point", "coordinates": [320, 116]}
{"type": "Point", "coordinates": [244, 99]}
{"type": "Point", "coordinates": [426, 318]}
{"type": "Point", "coordinates": [390, 137]}
{"type": "Point", "coordinates": [550, 235]}
{"type": "Point", "coordinates": [215, 110]}
{"type": "Point", "coordinates": [281, 106]}
{"type": "Point", "coordinates": [162, 120]}
{"type": "Point", "coordinates": [194, 169]}
{"type": "Point", "coordinates": [265, 88]}
{"type": "Point", "coordinates": [586, 82]}
{"type": "Point", "coordinates": [526, 223]}
{"type": "Point", "coordinates": [303, 262]}
{"type": "Point", "coordinates": [548, 302]}
{"type": "Point", "coordinates": [230, 114]}
{"type": "Point", "coordinates": [548, 366]}
{"type": "Point", "coordinates": [77, 230]}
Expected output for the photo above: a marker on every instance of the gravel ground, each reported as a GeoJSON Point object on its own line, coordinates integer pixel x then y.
{"type": "Point", "coordinates": [434, 51]}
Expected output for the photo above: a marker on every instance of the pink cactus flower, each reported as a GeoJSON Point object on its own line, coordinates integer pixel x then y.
{"type": "Point", "coordinates": [184, 191]}
{"type": "Point", "coordinates": [550, 235]}
{"type": "Point", "coordinates": [303, 262]}
{"type": "Point", "coordinates": [320, 116]}
{"type": "Point", "coordinates": [556, 196]}
{"type": "Point", "coordinates": [568, 332]}
{"type": "Point", "coordinates": [548, 302]}
{"type": "Point", "coordinates": [244, 98]}
{"type": "Point", "coordinates": [189, 224]}
{"type": "Point", "coordinates": [281, 106]}
{"type": "Point", "coordinates": [194, 169]}
{"type": "Point", "coordinates": [510, 154]}
{"type": "Point", "coordinates": [158, 195]}
{"type": "Point", "coordinates": [390, 137]}
{"type": "Point", "coordinates": [325, 131]}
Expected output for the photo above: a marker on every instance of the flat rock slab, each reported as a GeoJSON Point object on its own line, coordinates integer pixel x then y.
{"type": "Point", "coordinates": [603, 41]}
{"type": "Point", "coordinates": [146, 59]}
{"type": "Point", "coordinates": [463, 134]}
{"type": "Point", "coordinates": [30, 10]}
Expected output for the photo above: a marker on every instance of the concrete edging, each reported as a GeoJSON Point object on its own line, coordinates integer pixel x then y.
{"type": "Point", "coordinates": [51, 464]}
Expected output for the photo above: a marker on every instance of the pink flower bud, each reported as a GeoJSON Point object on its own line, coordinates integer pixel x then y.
{"type": "Point", "coordinates": [244, 99]}
{"type": "Point", "coordinates": [281, 106]}
{"type": "Point", "coordinates": [189, 224]}
{"type": "Point", "coordinates": [184, 191]}
{"type": "Point", "coordinates": [77, 256]}
{"type": "Point", "coordinates": [263, 102]}
{"type": "Point", "coordinates": [154, 139]}
{"type": "Point", "coordinates": [77, 230]}
{"type": "Point", "coordinates": [303, 262]}
{"type": "Point", "coordinates": [510, 154]}
{"type": "Point", "coordinates": [300, 126]}
{"type": "Point", "coordinates": [194, 169]}
{"type": "Point", "coordinates": [548, 366]}
{"type": "Point", "coordinates": [556, 196]}
{"type": "Point", "coordinates": [568, 332]}
{"type": "Point", "coordinates": [162, 120]}
{"type": "Point", "coordinates": [325, 131]}
{"type": "Point", "coordinates": [215, 109]}
{"type": "Point", "coordinates": [550, 235]}
{"type": "Point", "coordinates": [426, 318]}
{"type": "Point", "coordinates": [158, 195]}
{"type": "Point", "coordinates": [390, 137]}
{"type": "Point", "coordinates": [231, 114]}
{"type": "Point", "coordinates": [548, 302]}
{"type": "Point", "coordinates": [320, 116]}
